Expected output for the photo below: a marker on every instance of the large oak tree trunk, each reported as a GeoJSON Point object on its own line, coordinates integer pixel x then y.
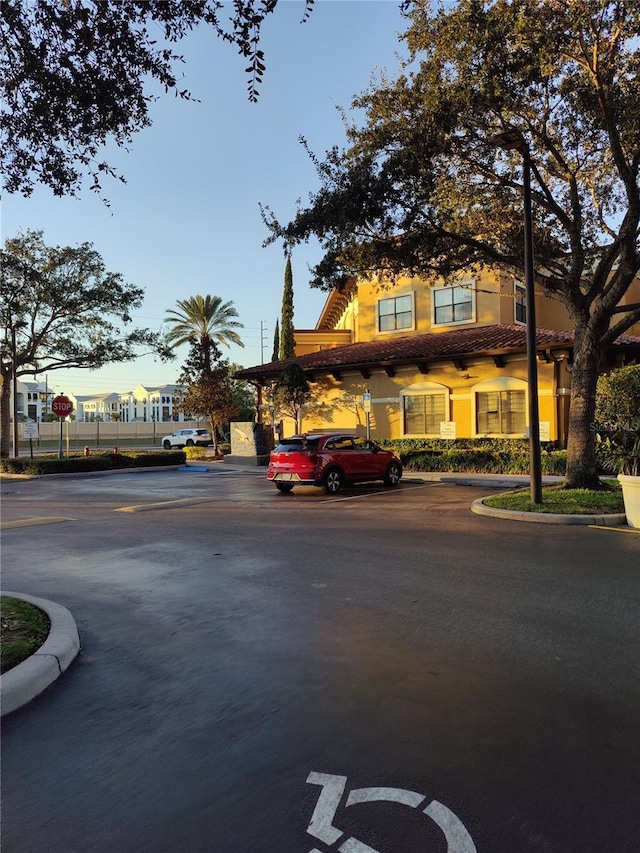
{"type": "Point", "coordinates": [5, 414]}
{"type": "Point", "coordinates": [582, 469]}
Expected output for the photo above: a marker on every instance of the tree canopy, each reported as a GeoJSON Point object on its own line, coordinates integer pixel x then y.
{"type": "Point", "coordinates": [206, 320]}
{"type": "Point", "coordinates": [211, 392]}
{"type": "Point", "coordinates": [421, 187]}
{"type": "Point", "coordinates": [65, 310]}
{"type": "Point", "coordinates": [287, 339]}
{"type": "Point", "coordinates": [291, 391]}
{"type": "Point", "coordinates": [76, 75]}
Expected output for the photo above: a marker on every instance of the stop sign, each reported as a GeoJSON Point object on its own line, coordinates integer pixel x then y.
{"type": "Point", "coordinates": [61, 406]}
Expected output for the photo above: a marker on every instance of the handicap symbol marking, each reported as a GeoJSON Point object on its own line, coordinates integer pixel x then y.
{"type": "Point", "coordinates": [322, 827]}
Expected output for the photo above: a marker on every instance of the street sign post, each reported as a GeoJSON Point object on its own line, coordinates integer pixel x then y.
{"type": "Point", "coordinates": [61, 406]}
{"type": "Point", "coordinates": [366, 405]}
{"type": "Point", "coordinates": [30, 431]}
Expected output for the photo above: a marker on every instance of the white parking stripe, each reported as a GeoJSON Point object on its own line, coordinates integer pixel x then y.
{"type": "Point", "coordinates": [391, 795]}
{"type": "Point", "coordinates": [458, 839]}
{"type": "Point", "coordinates": [164, 504]}
{"type": "Point", "coordinates": [373, 494]}
{"type": "Point", "coordinates": [32, 522]}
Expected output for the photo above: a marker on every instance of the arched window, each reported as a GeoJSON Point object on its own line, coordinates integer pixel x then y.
{"type": "Point", "coordinates": [501, 407]}
{"type": "Point", "coordinates": [424, 405]}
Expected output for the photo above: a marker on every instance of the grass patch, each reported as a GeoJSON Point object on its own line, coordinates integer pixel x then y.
{"type": "Point", "coordinates": [24, 630]}
{"type": "Point", "coordinates": [555, 499]}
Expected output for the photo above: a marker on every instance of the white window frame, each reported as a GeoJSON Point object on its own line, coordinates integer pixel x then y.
{"type": "Point", "coordinates": [519, 302]}
{"type": "Point", "coordinates": [503, 383]}
{"type": "Point", "coordinates": [411, 328]}
{"type": "Point", "coordinates": [425, 389]}
{"type": "Point", "coordinates": [469, 285]}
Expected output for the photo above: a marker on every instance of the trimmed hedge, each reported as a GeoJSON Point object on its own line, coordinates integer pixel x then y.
{"type": "Point", "coordinates": [96, 462]}
{"type": "Point", "coordinates": [474, 456]}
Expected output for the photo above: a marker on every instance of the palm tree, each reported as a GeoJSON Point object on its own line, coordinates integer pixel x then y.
{"type": "Point", "coordinates": [204, 319]}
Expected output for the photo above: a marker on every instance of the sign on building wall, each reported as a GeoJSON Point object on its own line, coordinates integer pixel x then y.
{"type": "Point", "coordinates": [545, 431]}
{"type": "Point", "coordinates": [447, 429]}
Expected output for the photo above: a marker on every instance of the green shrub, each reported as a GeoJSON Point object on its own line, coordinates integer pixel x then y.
{"type": "Point", "coordinates": [618, 420]}
{"type": "Point", "coordinates": [50, 464]}
{"type": "Point", "coordinates": [618, 399]}
{"type": "Point", "coordinates": [554, 463]}
{"type": "Point", "coordinates": [150, 458]}
{"type": "Point", "coordinates": [53, 465]}
{"type": "Point", "coordinates": [195, 452]}
{"type": "Point", "coordinates": [510, 459]}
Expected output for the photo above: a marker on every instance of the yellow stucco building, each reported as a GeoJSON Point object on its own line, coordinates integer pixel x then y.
{"type": "Point", "coordinates": [436, 360]}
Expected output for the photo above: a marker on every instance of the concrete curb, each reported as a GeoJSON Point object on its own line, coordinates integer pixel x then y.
{"type": "Point", "coordinates": [27, 680]}
{"type": "Point", "coordinates": [479, 507]}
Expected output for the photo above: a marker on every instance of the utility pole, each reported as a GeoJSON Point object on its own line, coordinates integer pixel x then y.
{"type": "Point", "coordinates": [14, 370]}
{"type": "Point", "coordinates": [263, 332]}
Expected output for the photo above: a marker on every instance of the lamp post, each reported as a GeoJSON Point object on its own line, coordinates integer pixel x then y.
{"type": "Point", "coordinates": [14, 326]}
{"type": "Point", "coordinates": [14, 371]}
{"type": "Point", "coordinates": [512, 139]}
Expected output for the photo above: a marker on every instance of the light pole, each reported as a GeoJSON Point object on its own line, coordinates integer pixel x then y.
{"type": "Point", "coordinates": [512, 139]}
{"type": "Point", "coordinates": [15, 325]}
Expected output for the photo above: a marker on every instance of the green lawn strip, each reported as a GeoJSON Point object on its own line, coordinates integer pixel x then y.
{"type": "Point", "coordinates": [24, 629]}
{"type": "Point", "coordinates": [555, 499]}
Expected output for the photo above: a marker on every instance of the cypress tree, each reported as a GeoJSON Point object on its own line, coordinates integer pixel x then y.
{"type": "Point", "coordinates": [287, 340]}
{"type": "Point", "coordinates": [275, 355]}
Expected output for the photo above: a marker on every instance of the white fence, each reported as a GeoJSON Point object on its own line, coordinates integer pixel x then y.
{"type": "Point", "coordinates": [111, 432]}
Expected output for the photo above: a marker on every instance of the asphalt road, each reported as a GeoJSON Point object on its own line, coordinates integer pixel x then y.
{"type": "Point", "coordinates": [377, 671]}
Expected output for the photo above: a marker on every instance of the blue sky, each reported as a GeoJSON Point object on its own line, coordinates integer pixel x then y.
{"type": "Point", "coordinates": [188, 221]}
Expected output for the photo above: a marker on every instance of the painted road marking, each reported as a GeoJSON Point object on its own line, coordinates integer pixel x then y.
{"type": "Point", "coordinates": [31, 522]}
{"type": "Point", "coordinates": [383, 492]}
{"type": "Point", "coordinates": [389, 795]}
{"type": "Point", "coordinates": [163, 504]}
{"type": "Point", "coordinates": [616, 529]}
{"type": "Point", "coordinates": [321, 825]}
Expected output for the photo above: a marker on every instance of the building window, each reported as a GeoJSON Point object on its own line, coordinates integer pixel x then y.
{"type": "Point", "coordinates": [453, 304]}
{"type": "Point", "coordinates": [395, 313]}
{"type": "Point", "coordinates": [423, 413]}
{"type": "Point", "coordinates": [520, 303]}
{"type": "Point", "coordinates": [501, 412]}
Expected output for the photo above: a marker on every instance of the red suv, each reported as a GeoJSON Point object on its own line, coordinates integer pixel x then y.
{"type": "Point", "coordinates": [330, 460]}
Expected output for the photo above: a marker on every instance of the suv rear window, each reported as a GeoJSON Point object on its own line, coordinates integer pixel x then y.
{"type": "Point", "coordinates": [201, 431]}
{"type": "Point", "coordinates": [287, 445]}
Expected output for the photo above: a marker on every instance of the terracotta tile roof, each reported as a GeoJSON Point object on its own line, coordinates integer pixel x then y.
{"type": "Point", "coordinates": [441, 346]}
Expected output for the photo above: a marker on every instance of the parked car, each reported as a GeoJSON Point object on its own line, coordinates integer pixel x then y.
{"type": "Point", "coordinates": [330, 460]}
{"type": "Point", "coordinates": [187, 438]}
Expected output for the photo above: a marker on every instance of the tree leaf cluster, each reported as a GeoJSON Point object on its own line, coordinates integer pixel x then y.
{"type": "Point", "coordinates": [65, 310]}
{"type": "Point", "coordinates": [291, 391]}
{"type": "Point", "coordinates": [211, 391]}
{"type": "Point", "coordinates": [78, 74]}
{"type": "Point", "coordinates": [207, 321]}
{"type": "Point", "coordinates": [287, 338]}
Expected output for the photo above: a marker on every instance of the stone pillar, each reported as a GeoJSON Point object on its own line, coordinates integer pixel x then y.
{"type": "Point", "coordinates": [251, 444]}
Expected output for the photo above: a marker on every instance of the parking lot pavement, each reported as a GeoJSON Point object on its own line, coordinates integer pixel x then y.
{"type": "Point", "coordinates": [265, 672]}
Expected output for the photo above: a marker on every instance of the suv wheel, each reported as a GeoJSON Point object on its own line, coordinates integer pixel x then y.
{"type": "Point", "coordinates": [393, 474]}
{"type": "Point", "coordinates": [332, 481]}
{"type": "Point", "coordinates": [166, 444]}
{"type": "Point", "coordinates": [189, 442]}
